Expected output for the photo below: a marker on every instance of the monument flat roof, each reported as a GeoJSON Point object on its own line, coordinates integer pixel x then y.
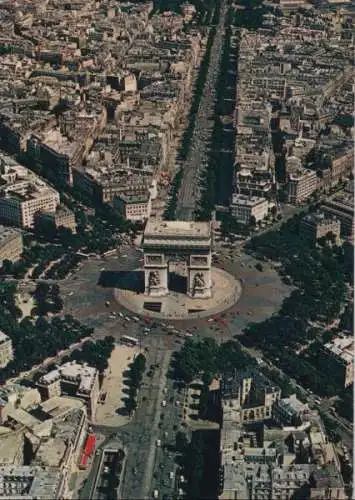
{"type": "Point", "coordinates": [177, 229]}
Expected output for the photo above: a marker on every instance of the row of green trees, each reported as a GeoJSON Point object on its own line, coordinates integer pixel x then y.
{"type": "Point", "coordinates": [204, 8]}
{"type": "Point", "coordinates": [96, 353]}
{"type": "Point", "coordinates": [230, 227]}
{"type": "Point", "coordinates": [320, 275]}
{"type": "Point", "coordinates": [252, 15]}
{"type": "Point", "coordinates": [36, 339]}
{"type": "Point", "coordinates": [94, 235]}
{"type": "Point", "coordinates": [33, 339]}
{"type": "Point", "coordinates": [204, 358]}
{"type": "Point", "coordinates": [33, 254]}
{"type": "Point", "coordinates": [200, 463]}
{"type": "Point", "coordinates": [169, 213]}
{"type": "Point", "coordinates": [136, 371]}
{"type": "Point", "coordinates": [170, 209]}
{"type": "Point", "coordinates": [47, 298]}
{"type": "Point", "coordinates": [197, 95]}
{"type": "Point", "coordinates": [61, 269]}
{"type": "Point", "coordinates": [222, 138]}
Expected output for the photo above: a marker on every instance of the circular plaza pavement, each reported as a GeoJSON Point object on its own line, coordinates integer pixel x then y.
{"type": "Point", "coordinates": [226, 291]}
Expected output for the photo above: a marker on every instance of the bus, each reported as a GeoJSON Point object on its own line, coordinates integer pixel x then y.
{"type": "Point", "coordinates": [126, 339]}
{"type": "Point", "coordinates": [184, 335]}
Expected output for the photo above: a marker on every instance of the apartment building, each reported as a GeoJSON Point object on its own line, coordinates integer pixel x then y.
{"type": "Point", "coordinates": [134, 207]}
{"type": "Point", "coordinates": [62, 217]}
{"type": "Point", "coordinates": [248, 395]}
{"type": "Point", "coordinates": [29, 482]}
{"type": "Point", "coordinates": [6, 350]}
{"type": "Point", "coordinates": [327, 484]}
{"type": "Point", "coordinates": [290, 411]}
{"type": "Point", "coordinates": [341, 207]}
{"type": "Point", "coordinates": [292, 459]}
{"type": "Point", "coordinates": [301, 185]}
{"type": "Point", "coordinates": [243, 208]}
{"type": "Point", "coordinates": [11, 244]}
{"type": "Point", "coordinates": [58, 428]}
{"type": "Point", "coordinates": [23, 194]}
{"type": "Point", "coordinates": [73, 379]}
{"type": "Point", "coordinates": [337, 357]}
{"type": "Point", "coordinates": [316, 225]}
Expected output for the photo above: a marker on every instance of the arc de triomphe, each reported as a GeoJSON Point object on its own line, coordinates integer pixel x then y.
{"type": "Point", "coordinates": [175, 240]}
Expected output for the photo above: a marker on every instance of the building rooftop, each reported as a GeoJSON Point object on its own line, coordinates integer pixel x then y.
{"type": "Point", "coordinates": [134, 198]}
{"type": "Point", "coordinates": [75, 372]}
{"type": "Point", "coordinates": [29, 482]}
{"type": "Point", "coordinates": [293, 404]}
{"type": "Point", "coordinates": [319, 219]}
{"type": "Point", "coordinates": [19, 182]}
{"type": "Point", "coordinates": [51, 452]}
{"type": "Point", "coordinates": [178, 229]}
{"type": "Point", "coordinates": [343, 347]}
{"type": "Point", "coordinates": [302, 173]}
{"type": "Point", "coordinates": [11, 444]}
{"type": "Point", "coordinates": [327, 477]}
{"type": "Point", "coordinates": [247, 201]}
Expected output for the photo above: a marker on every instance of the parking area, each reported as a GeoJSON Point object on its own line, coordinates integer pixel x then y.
{"type": "Point", "coordinates": [110, 410]}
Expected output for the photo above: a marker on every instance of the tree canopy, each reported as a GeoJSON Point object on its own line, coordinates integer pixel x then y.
{"type": "Point", "coordinates": [320, 276]}
{"type": "Point", "coordinates": [206, 358]}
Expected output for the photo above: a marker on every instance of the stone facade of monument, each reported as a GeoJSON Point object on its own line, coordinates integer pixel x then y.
{"type": "Point", "coordinates": [171, 240]}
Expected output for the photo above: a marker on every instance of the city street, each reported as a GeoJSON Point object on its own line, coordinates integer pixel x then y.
{"type": "Point", "coordinates": [150, 467]}
{"type": "Point", "coordinates": [198, 155]}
